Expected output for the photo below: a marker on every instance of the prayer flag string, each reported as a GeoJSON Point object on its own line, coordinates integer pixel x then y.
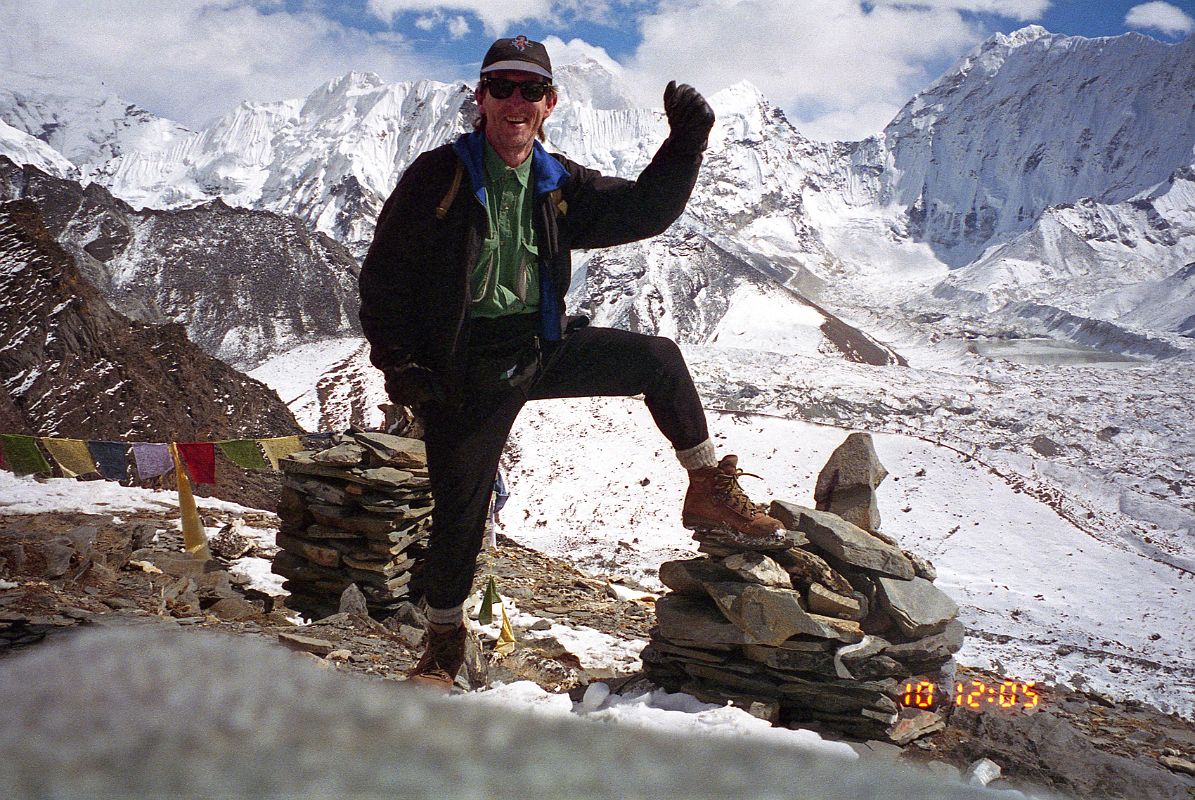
{"type": "Point", "coordinates": [32, 455]}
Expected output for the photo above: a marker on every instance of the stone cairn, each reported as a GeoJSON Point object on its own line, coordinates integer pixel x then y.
{"type": "Point", "coordinates": [356, 512]}
{"type": "Point", "coordinates": [829, 626]}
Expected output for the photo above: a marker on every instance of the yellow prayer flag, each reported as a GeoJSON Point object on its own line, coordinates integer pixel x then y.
{"type": "Point", "coordinates": [506, 637]}
{"type": "Point", "coordinates": [71, 455]}
{"type": "Point", "coordinates": [194, 539]}
{"type": "Point", "coordinates": [279, 448]}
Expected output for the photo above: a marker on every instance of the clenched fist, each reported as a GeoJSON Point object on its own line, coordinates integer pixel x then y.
{"type": "Point", "coordinates": [690, 118]}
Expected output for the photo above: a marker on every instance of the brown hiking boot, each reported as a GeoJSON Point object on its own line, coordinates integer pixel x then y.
{"type": "Point", "coordinates": [716, 502]}
{"type": "Point", "coordinates": [443, 655]}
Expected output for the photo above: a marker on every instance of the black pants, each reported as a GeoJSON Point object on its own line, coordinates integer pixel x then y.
{"type": "Point", "coordinates": [464, 442]}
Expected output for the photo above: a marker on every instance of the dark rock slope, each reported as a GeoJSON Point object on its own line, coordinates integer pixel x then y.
{"type": "Point", "coordinates": [71, 366]}
{"type": "Point", "coordinates": [246, 284]}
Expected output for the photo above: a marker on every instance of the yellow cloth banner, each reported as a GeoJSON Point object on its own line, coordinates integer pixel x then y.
{"type": "Point", "coordinates": [194, 539]}
{"type": "Point", "coordinates": [280, 448]}
{"type": "Point", "coordinates": [71, 455]}
{"type": "Point", "coordinates": [506, 637]}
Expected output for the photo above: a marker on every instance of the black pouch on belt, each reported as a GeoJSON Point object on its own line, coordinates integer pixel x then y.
{"type": "Point", "coordinates": [503, 355]}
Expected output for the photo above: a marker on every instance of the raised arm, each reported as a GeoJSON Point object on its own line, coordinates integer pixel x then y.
{"type": "Point", "coordinates": [606, 211]}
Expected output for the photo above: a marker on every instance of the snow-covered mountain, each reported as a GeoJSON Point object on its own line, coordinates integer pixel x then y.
{"type": "Point", "coordinates": [1000, 192]}
{"type": "Point", "coordinates": [330, 158]}
{"type": "Point", "coordinates": [1032, 120]}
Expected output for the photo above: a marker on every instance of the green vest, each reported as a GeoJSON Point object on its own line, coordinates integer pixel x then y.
{"type": "Point", "coordinates": [505, 279]}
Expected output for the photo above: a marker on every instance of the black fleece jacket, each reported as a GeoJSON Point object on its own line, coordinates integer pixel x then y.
{"type": "Point", "coordinates": [414, 281]}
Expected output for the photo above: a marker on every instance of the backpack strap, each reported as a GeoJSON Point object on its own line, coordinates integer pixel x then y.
{"type": "Point", "coordinates": [554, 197]}
{"type": "Point", "coordinates": [442, 208]}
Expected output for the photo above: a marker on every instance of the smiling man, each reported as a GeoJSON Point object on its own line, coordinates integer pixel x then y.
{"type": "Point", "coordinates": [462, 300]}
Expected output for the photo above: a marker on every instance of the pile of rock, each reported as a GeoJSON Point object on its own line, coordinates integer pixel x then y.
{"type": "Point", "coordinates": [355, 512]}
{"type": "Point", "coordinates": [829, 626]}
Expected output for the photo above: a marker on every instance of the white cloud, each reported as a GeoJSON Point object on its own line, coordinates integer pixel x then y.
{"type": "Point", "coordinates": [190, 60]}
{"type": "Point", "coordinates": [496, 17]}
{"type": "Point", "coordinates": [838, 70]}
{"type": "Point", "coordinates": [458, 27]}
{"type": "Point", "coordinates": [1013, 9]}
{"type": "Point", "coordinates": [575, 50]}
{"type": "Point", "coordinates": [1159, 16]}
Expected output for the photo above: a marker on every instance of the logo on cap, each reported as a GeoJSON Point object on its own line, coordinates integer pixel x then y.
{"type": "Point", "coordinates": [520, 43]}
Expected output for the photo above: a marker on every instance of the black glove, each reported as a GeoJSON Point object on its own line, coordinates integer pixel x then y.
{"type": "Point", "coordinates": [413, 386]}
{"type": "Point", "coordinates": [689, 117]}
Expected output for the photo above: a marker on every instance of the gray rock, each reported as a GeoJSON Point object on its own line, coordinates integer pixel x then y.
{"type": "Point", "coordinates": [324, 490]}
{"type": "Point", "coordinates": [808, 568]}
{"type": "Point", "coordinates": [719, 542]}
{"type": "Point", "coordinates": [684, 618]}
{"type": "Point", "coordinates": [690, 575]}
{"type": "Point", "coordinates": [395, 451]}
{"type": "Point", "coordinates": [57, 554]}
{"type": "Point", "coordinates": [778, 658]}
{"type": "Point", "coordinates": [352, 601]}
{"type": "Point", "coordinates": [982, 772]}
{"type": "Point", "coordinates": [757, 568]}
{"type": "Point", "coordinates": [824, 601]}
{"type": "Point", "coordinates": [233, 608]}
{"type": "Point", "coordinates": [342, 455]}
{"type": "Point", "coordinates": [306, 644]}
{"type": "Point", "coordinates": [385, 477]}
{"type": "Point", "coordinates": [846, 542]}
{"type": "Point", "coordinates": [230, 543]}
{"type": "Point", "coordinates": [922, 566]}
{"type": "Point", "coordinates": [82, 539]}
{"type": "Point", "coordinates": [846, 657]}
{"type": "Point", "coordinates": [915, 723]}
{"type": "Point", "coordinates": [177, 564]}
{"type": "Point", "coordinates": [748, 681]}
{"type": "Point", "coordinates": [847, 483]}
{"type": "Point", "coordinates": [930, 648]}
{"type": "Point", "coordinates": [767, 615]}
{"type": "Point", "coordinates": [917, 606]}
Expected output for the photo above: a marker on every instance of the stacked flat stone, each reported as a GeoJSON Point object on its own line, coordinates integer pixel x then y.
{"type": "Point", "coordinates": [828, 627]}
{"type": "Point", "coordinates": [356, 512]}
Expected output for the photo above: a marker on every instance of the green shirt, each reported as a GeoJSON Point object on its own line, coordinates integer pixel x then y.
{"type": "Point", "coordinates": [506, 277]}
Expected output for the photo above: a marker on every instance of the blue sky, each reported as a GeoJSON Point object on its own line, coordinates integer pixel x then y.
{"type": "Point", "coordinates": [839, 68]}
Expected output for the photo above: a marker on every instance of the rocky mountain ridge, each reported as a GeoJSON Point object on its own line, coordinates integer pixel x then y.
{"type": "Point", "coordinates": [245, 284]}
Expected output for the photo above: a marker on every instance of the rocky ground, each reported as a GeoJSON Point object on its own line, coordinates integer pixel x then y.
{"type": "Point", "coordinates": [62, 571]}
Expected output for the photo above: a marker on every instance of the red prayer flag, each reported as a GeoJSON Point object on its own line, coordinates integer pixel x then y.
{"type": "Point", "coordinates": [200, 458]}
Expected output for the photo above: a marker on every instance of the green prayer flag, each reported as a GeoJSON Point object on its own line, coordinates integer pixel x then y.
{"type": "Point", "coordinates": [22, 455]}
{"type": "Point", "coordinates": [490, 596]}
{"type": "Point", "coordinates": [244, 453]}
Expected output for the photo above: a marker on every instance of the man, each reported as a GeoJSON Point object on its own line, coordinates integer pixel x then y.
{"type": "Point", "coordinates": [462, 300]}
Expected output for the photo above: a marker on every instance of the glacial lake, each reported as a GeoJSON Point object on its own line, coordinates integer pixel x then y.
{"type": "Point", "coordinates": [1050, 352]}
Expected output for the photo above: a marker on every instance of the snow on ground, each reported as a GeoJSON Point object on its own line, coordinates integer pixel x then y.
{"type": "Point", "coordinates": [1042, 599]}
{"type": "Point", "coordinates": [295, 375]}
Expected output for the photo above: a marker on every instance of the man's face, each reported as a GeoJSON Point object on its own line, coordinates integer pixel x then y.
{"type": "Point", "coordinates": [512, 124]}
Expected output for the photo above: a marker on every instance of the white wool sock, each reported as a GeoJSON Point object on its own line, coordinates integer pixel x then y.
{"type": "Point", "coordinates": [698, 457]}
{"type": "Point", "coordinates": [446, 616]}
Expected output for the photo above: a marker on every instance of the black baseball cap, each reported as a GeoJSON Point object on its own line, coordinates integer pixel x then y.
{"type": "Point", "coordinates": [518, 53]}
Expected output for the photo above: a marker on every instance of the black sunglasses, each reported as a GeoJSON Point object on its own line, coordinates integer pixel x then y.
{"type": "Point", "coordinates": [502, 88]}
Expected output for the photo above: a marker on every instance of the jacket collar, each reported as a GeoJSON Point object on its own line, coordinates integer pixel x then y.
{"type": "Point", "coordinates": [547, 174]}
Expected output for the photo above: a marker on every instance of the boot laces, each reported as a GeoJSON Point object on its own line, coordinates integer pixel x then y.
{"type": "Point", "coordinates": [726, 487]}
